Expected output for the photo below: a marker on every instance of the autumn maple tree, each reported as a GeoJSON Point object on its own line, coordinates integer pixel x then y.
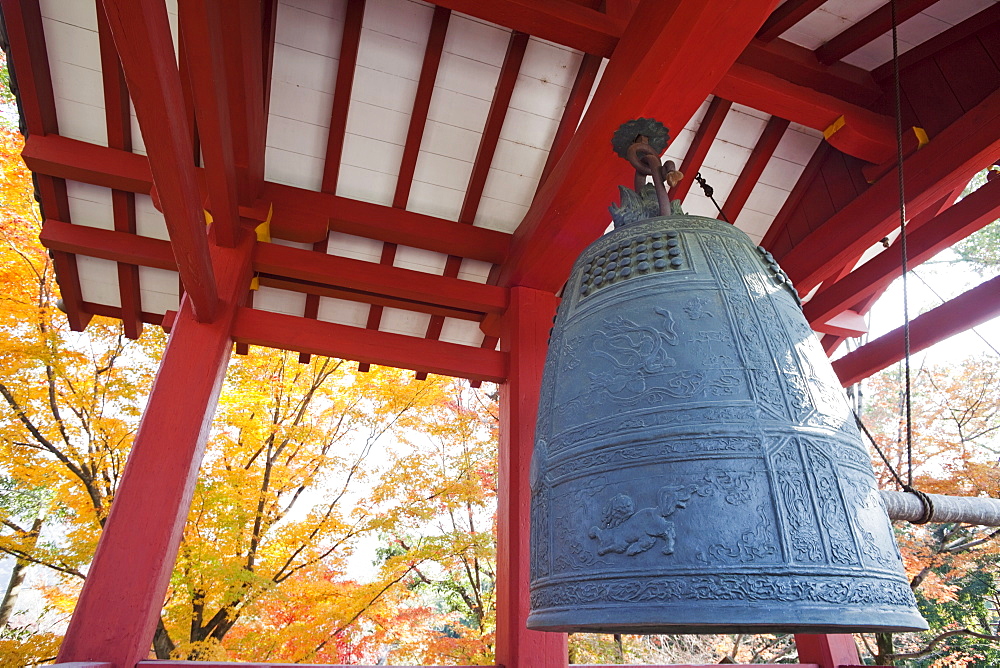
{"type": "Point", "coordinates": [954, 569]}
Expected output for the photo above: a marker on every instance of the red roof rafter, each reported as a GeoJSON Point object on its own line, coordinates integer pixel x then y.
{"type": "Point", "coordinates": [968, 310]}
{"type": "Point", "coordinates": [703, 138]}
{"type": "Point", "coordinates": [969, 26]}
{"type": "Point", "coordinates": [311, 308]}
{"type": "Point", "coordinates": [494, 124]}
{"type": "Point", "coordinates": [570, 210]}
{"type": "Point", "coordinates": [573, 112]}
{"type": "Point", "coordinates": [867, 29]}
{"type": "Point", "coordinates": [759, 157]}
{"type": "Point", "coordinates": [947, 162]}
{"type": "Point", "coordinates": [516, 47]}
{"type": "Point", "coordinates": [414, 136]}
{"type": "Point", "coordinates": [349, 45]}
{"type": "Point", "coordinates": [785, 16]}
{"type": "Point", "coordinates": [28, 55]}
{"type": "Point", "coordinates": [956, 222]}
{"type": "Point", "coordinates": [421, 104]}
{"type": "Point", "coordinates": [286, 332]}
{"type": "Point", "coordinates": [247, 43]}
{"type": "Point", "coordinates": [200, 22]}
{"type": "Point", "coordinates": [142, 35]}
{"type": "Point", "coordinates": [119, 125]}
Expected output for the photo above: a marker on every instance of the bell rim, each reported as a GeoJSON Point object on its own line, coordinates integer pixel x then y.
{"type": "Point", "coordinates": [740, 619]}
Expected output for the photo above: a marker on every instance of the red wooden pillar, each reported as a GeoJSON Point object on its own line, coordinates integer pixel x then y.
{"type": "Point", "coordinates": [828, 651]}
{"type": "Point", "coordinates": [116, 615]}
{"type": "Point", "coordinates": [525, 339]}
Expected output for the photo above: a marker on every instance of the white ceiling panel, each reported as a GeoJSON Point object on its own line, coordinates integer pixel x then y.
{"type": "Point", "coordinates": [98, 280]}
{"type": "Point", "coordinates": [419, 259]}
{"type": "Point", "coordinates": [90, 205]}
{"type": "Point", "coordinates": [158, 290]}
{"type": "Point", "coordinates": [408, 323]}
{"type": "Point", "coordinates": [357, 248]}
{"type": "Point", "coordinates": [462, 332]}
{"type": "Point", "coordinates": [342, 312]}
{"type": "Point", "coordinates": [149, 222]}
{"type": "Point", "coordinates": [275, 300]}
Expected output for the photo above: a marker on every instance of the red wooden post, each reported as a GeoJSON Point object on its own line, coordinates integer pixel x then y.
{"type": "Point", "coordinates": [121, 600]}
{"type": "Point", "coordinates": [828, 650]}
{"type": "Point", "coordinates": [525, 338]}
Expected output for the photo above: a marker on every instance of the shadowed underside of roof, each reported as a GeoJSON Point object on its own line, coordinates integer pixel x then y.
{"type": "Point", "coordinates": [409, 162]}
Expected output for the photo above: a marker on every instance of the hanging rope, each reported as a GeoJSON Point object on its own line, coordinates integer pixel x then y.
{"type": "Point", "coordinates": [904, 255]}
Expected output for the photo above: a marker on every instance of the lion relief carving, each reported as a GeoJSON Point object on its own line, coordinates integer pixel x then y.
{"type": "Point", "coordinates": [625, 530]}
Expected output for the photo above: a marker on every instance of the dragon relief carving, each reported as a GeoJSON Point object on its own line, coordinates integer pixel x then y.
{"type": "Point", "coordinates": [629, 531]}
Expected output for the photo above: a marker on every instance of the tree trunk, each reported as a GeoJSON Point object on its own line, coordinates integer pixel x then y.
{"type": "Point", "coordinates": [884, 646]}
{"type": "Point", "coordinates": [17, 575]}
{"type": "Point", "coordinates": [162, 644]}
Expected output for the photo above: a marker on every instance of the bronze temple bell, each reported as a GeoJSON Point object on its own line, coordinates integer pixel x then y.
{"type": "Point", "coordinates": [696, 467]}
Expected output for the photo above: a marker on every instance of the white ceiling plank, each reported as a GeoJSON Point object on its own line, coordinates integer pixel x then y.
{"type": "Point", "coordinates": [408, 323]}
{"type": "Point", "coordinates": [90, 205]}
{"type": "Point", "coordinates": [462, 332]}
{"type": "Point", "coordinates": [98, 280]}
{"type": "Point", "coordinates": [158, 290]}
{"type": "Point", "coordinates": [343, 312]}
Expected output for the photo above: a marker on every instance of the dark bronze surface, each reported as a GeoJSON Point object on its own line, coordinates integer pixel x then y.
{"type": "Point", "coordinates": [696, 466]}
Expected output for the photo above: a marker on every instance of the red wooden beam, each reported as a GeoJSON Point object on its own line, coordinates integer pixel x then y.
{"type": "Point", "coordinates": [364, 276]}
{"type": "Point", "coordinates": [850, 128]}
{"type": "Point", "coordinates": [956, 222]}
{"type": "Point", "coordinates": [703, 138]}
{"type": "Point", "coordinates": [305, 216]}
{"type": "Point", "coordinates": [119, 126]}
{"type": "Point", "coordinates": [111, 245]}
{"type": "Point", "coordinates": [558, 21]}
{"type": "Point", "coordinates": [799, 65]}
{"type": "Point", "coordinates": [299, 215]}
{"type": "Point", "coordinates": [245, 54]}
{"type": "Point", "coordinates": [75, 160]}
{"type": "Point", "coordinates": [947, 162]}
{"type": "Point", "coordinates": [118, 609]}
{"type": "Point", "coordinates": [833, 650]}
{"type": "Point", "coordinates": [867, 29]}
{"type": "Point", "coordinates": [142, 36]}
{"type": "Point", "coordinates": [572, 113]}
{"type": "Point", "coordinates": [201, 24]}
{"type": "Point", "coordinates": [313, 271]}
{"type": "Point", "coordinates": [349, 44]}
{"type": "Point", "coordinates": [287, 332]}
{"type": "Point", "coordinates": [310, 289]}
{"type": "Point", "coordinates": [666, 37]}
{"type": "Point", "coordinates": [785, 16]}
{"type": "Point", "coordinates": [525, 339]}
{"type": "Point", "coordinates": [968, 310]}
{"type": "Point", "coordinates": [759, 157]}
